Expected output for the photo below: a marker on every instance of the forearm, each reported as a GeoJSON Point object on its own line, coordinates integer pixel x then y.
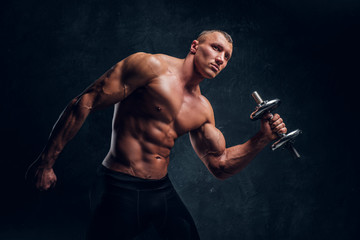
{"type": "Point", "coordinates": [235, 158]}
{"type": "Point", "coordinates": [66, 127]}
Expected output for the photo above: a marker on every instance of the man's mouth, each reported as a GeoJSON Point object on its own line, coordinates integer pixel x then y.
{"type": "Point", "coordinates": [215, 67]}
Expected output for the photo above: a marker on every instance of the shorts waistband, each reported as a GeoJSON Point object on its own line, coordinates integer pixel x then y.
{"type": "Point", "coordinates": [123, 180]}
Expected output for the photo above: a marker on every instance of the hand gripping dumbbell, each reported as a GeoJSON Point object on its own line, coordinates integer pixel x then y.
{"type": "Point", "coordinates": [286, 140]}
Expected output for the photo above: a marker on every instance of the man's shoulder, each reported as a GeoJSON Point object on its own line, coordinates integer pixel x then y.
{"type": "Point", "coordinates": [206, 105]}
{"type": "Point", "coordinates": [147, 63]}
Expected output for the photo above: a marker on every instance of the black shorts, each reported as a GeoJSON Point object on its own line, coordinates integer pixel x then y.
{"type": "Point", "coordinates": [128, 205]}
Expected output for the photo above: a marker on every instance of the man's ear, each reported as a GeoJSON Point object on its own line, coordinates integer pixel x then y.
{"type": "Point", "coordinates": [194, 46]}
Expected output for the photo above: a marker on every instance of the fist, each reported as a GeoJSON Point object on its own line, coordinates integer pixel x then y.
{"type": "Point", "coordinates": [272, 126]}
{"type": "Point", "coordinates": [43, 178]}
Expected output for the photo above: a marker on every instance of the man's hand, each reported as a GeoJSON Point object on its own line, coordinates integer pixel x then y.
{"type": "Point", "coordinates": [43, 178]}
{"type": "Point", "coordinates": [272, 126]}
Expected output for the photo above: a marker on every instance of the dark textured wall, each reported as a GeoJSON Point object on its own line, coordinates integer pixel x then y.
{"type": "Point", "coordinates": [303, 52]}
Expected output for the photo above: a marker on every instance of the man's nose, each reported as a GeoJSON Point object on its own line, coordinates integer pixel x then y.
{"type": "Point", "coordinates": [219, 59]}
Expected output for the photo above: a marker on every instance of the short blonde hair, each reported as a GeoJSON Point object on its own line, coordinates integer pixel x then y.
{"type": "Point", "coordinates": [202, 35]}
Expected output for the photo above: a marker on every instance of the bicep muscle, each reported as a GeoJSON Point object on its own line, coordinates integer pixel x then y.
{"type": "Point", "coordinates": [208, 140]}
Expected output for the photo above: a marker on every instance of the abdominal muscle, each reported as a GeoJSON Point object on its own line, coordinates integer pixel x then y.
{"type": "Point", "coordinates": [140, 146]}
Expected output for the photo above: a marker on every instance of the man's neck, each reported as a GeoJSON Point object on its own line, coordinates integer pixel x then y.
{"type": "Point", "coordinates": [188, 74]}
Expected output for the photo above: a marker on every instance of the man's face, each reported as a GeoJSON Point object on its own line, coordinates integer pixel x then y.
{"type": "Point", "coordinates": [212, 54]}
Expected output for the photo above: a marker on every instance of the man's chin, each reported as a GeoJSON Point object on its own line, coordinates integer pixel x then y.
{"type": "Point", "coordinates": [210, 74]}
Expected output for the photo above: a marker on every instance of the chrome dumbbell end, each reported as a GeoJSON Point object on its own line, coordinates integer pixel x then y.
{"type": "Point", "coordinates": [287, 141]}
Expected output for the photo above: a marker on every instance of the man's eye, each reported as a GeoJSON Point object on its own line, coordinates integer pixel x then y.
{"type": "Point", "coordinates": [215, 48]}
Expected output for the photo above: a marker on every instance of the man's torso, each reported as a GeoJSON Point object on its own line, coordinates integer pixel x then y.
{"type": "Point", "coordinates": [147, 122]}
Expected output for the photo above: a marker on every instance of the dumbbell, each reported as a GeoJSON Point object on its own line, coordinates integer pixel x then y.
{"type": "Point", "coordinates": [286, 140]}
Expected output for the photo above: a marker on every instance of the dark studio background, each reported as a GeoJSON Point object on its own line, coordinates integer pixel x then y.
{"type": "Point", "coordinates": [303, 52]}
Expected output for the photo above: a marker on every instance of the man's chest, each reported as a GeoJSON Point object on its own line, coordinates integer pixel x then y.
{"type": "Point", "coordinates": [168, 101]}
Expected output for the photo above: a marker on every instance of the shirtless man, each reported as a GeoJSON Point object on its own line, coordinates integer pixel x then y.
{"type": "Point", "coordinates": [157, 99]}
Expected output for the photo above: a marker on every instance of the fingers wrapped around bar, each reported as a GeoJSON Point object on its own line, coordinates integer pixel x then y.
{"type": "Point", "coordinates": [277, 124]}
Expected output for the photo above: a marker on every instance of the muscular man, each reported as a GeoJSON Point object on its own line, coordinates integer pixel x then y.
{"type": "Point", "coordinates": [157, 99]}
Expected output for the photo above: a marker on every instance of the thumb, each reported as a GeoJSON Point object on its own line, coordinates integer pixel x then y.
{"type": "Point", "coordinates": [267, 116]}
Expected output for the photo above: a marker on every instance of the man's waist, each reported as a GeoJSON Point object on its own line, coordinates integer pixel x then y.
{"type": "Point", "coordinates": [119, 179]}
{"type": "Point", "coordinates": [153, 169]}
